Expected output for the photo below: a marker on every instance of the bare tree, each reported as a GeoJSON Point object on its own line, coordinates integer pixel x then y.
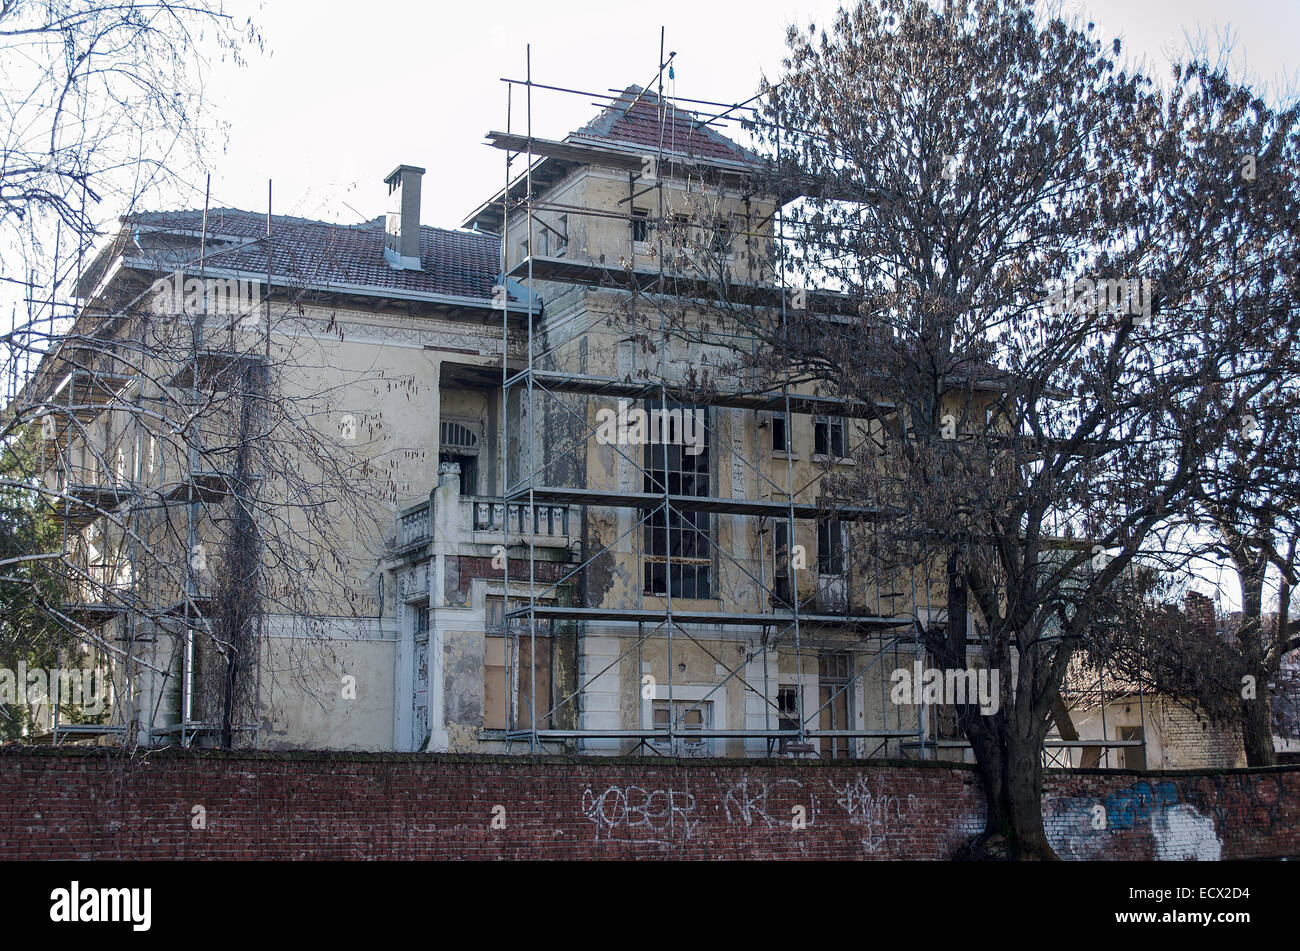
{"type": "Point", "coordinates": [1020, 246]}
{"type": "Point", "coordinates": [204, 484]}
{"type": "Point", "coordinates": [105, 106]}
{"type": "Point", "coordinates": [103, 102]}
{"type": "Point", "coordinates": [1240, 514]}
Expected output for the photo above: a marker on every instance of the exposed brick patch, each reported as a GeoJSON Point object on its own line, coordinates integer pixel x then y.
{"type": "Point", "coordinates": [88, 804]}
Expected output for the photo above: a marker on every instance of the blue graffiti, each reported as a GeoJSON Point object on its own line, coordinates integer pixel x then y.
{"type": "Point", "coordinates": [1129, 806]}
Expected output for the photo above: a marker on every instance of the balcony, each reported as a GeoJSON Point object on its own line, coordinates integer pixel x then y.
{"type": "Point", "coordinates": [99, 592]}
{"type": "Point", "coordinates": [544, 525]}
{"type": "Point", "coordinates": [483, 521]}
{"type": "Point", "coordinates": [414, 527]}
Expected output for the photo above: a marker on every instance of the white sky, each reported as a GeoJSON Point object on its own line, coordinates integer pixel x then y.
{"type": "Point", "coordinates": [349, 90]}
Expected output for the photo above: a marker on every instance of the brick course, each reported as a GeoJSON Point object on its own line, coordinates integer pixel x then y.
{"type": "Point", "coordinates": [92, 804]}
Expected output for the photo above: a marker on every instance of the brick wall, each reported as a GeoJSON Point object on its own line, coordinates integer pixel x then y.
{"type": "Point", "coordinates": [85, 803]}
{"type": "Point", "coordinates": [1191, 740]}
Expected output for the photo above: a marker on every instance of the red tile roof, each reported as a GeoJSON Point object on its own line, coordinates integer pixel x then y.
{"type": "Point", "coordinates": [634, 118]}
{"type": "Point", "coordinates": [455, 263]}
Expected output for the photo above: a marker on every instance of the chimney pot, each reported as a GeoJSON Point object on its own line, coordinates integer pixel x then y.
{"type": "Point", "coordinates": [402, 229]}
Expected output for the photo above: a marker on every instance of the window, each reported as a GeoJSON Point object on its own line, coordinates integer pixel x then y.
{"type": "Point", "coordinates": [459, 444]}
{"type": "Point", "coordinates": [720, 239]}
{"type": "Point", "coordinates": [562, 242]}
{"type": "Point", "coordinates": [787, 712]}
{"type": "Point", "coordinates": [1131, 757]}
{"type": "Point", "coordinates": [688, 717]}
{"type": "Point", "coordinates": [781, 563]}
{"type": "Point", "coordinates": [835, 696]}
{"type": "Point", "coordinates": [679, 230]}
{"type": "Point", "coordinates": [523, 249]}
{"type": "Point", "coordinates": [678, 555]}
{"type": "Point", "coordinates": [780, 433]}
{"type": "Point", "coordinates": [510, 669]}
{"type": "Point", "coordinates": [828, 437]}
{"type": "Point", "coordinates": [830, 547]}
{"type": "Point", "coordinates": [640, 224]}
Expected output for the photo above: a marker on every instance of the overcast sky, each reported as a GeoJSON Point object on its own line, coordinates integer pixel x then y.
{"type": "Point", "coordinates": [347, 90]}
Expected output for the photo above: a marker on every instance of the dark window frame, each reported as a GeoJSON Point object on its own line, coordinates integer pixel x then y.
{"type": "Point", "coordinates": [685, 536]}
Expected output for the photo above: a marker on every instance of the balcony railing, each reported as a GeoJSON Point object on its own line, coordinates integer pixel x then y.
{"type": "Point", "coordinates": [413, 526]}
{"type": "Point", "coordinates": [519, 518]}
{"type": "Point", "coordinates": [547, 524]}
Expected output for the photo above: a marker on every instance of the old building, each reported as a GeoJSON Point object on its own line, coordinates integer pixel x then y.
{"type": "Point", "coordinates": [395, 487]}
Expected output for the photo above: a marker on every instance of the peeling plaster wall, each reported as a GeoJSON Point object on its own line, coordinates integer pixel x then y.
{"type": "Point", "coordinates": [308, 703]}
{"type": "Point", "coordinates": [1177, 736]}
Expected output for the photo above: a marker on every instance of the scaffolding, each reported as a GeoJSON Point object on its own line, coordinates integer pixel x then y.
{"type": "Point", "coordinates": [534, 378]}
{"type": "Point", "coordinates": [532, 372]}
{"type": "Point", "coordinates": [107, 372]}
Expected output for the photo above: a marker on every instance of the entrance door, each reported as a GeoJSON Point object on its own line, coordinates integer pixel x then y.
{"type": "Point", "coordinates": [420, 687]}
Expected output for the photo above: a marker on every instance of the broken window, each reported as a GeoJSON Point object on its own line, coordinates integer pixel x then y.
{"type": "Point", "coordinates": [830, 547]}
{"type": "Point", "coordinates": [468, 471]}
{"type": "Point", "coordinates": [459, 444]}
{"type": "Point", "coordinates": [640, 224]}
{"type": "Point", "coordinates": [689, 719]}
{"type": "Point", "coordinates": [678, 555]}
{"type": "Point", "coordinates": [787, 712]}
{"type": "Point", "coordinates": [1131, 757]}
{"type": "Point", "coordinates": [828, 436]}
{"type": "Point", "coordinates": [512, 666]}
{"type": "Point", "coordinates": [720, 240]}
{"type": "Point", "coordinates": [835, 699]}
{"type": "Point", "coordinates": [781, 563]}
{"type": "Point", "coordinates": [780, 433]}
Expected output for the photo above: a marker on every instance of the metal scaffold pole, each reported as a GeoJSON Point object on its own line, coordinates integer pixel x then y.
{"type": "Point", "coordinates": [676, 531]}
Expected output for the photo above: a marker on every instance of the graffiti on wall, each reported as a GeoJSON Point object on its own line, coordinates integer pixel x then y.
{"type": "Point", "coordinates": [1180, 827]}
{"type": "Point", "coordinates": [634, 815]}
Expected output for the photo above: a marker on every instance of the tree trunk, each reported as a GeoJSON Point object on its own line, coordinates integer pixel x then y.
{"type": "Point", "coordinates": [1257, 728]}
{"type": "Point", "coordinates": [1256, 717]}
{"type": "Point", "coordinates": [1011, 774]}
{"type": "Point", "coordinates": [1008, 755]}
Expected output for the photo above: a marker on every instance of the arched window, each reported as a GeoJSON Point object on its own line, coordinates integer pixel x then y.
{"type": "Point", "coordinates": [458, 443]}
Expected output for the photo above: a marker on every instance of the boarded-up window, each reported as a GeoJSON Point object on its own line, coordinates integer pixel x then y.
{"type": "Point", "coordinates": [834, 679]}
{"type": "Point", "coordinates": [511, 667]}
{"type": "Point", "coordinates": [494, 683]}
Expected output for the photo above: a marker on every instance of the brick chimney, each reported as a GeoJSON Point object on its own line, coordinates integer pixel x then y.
{"type": "Point", "coordinates": [402, 231]}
